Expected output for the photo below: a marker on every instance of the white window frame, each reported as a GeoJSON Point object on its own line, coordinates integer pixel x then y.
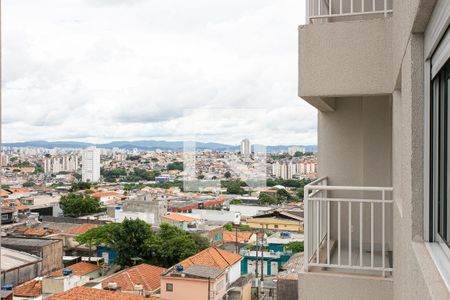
{"type": "Point", "coordinates": [436, 54]}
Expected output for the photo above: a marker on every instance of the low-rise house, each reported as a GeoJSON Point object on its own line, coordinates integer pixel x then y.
{"type": "Point", "coordinates": [108, 197]}
{"type": "Point", "coordinates": [49, 250]}
{"type": "Point", "coordinates": [234, 241]}
{"type": "Point", "coordinates": [140, 279]}
{"type": "Point", "coordinates": [273, 261]}
{"type": "Point", "coordinates": [179, 220]}
{"type": "Point", "coordinates": [278, 241]}
{"type": "Point", "coordinates": [194, 283]}
{"type": "Point", "coordinates": [212, 232]}
{"type": "Point", "coordinates": [212, 269]}
{"type": "Point", "coordinates": [68, 278]}
{"type": "Point", "coordinates": [8, 215]}
{"type": "Point", "coordinates": [85, 293]}
{"type": "Point", "coordinates": [18, 267]}
{"type": "Point", "coordinates": [277, 220]}
{"type": "Point", "coordinates": [30, 290]}
{"type": "Point", "coordinates": [217, 215]}
{"type": "Point", "coordinates": [81, 269]}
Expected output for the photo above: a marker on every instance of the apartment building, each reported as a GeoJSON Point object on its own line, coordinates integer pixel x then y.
{"type": "Point", "coordinates": [56, 164]}
{"type": "Point", "coordinates": [90, 163]}
{"type": "Point", "coordinates": [377, 219]}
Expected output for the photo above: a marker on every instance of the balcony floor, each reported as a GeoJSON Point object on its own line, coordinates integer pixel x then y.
{"type": "Point", "coordinates": [355, 255]}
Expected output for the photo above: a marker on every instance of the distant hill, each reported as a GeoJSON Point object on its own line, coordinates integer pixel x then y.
{"type": "Point", "coordinates": [146, 145]}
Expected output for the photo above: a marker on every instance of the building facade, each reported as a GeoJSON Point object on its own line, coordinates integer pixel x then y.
{"type": "Point", "coordinates": [245, 147]}
{"type": "Point", "coordinates": [90, 165]}
{"type": "Point", "coordinates": [56, 164]}
{"type": "Point", "coordinates": [376, 220]}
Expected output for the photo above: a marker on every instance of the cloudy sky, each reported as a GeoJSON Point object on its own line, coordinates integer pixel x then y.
{"type": "Point", "coordinates": [103, 70]}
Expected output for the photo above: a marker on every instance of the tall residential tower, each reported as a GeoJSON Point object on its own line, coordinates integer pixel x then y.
{"type": "Point", "coordinates": [90, 162]}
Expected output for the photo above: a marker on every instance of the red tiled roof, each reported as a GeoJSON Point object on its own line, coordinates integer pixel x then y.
{"type": "Point", "coordinates": [147, 275]}
{"type": "Point", "coordinates": [36, 231]}
{"type": "Point", "coordinates": [179, 218]}
{"type": "Point", "coordinates": [242, 236]}
{"type": "Point", "coordinates": [85, 293]}
{"type": "Point", "coordinates": [32, 288]}
{"type": "Point", "coordinates": [212, 257]}
{"type": "Point", "coordinates": [82, 268]}
{"type": "Point", "coordinates": [22, 207]}
{"type": "Point", "coordinates": [80, 229]}
{"type": "Point", "coordinates": [105, 194]}
{"type": "Point", "coordinates": [19, 190]}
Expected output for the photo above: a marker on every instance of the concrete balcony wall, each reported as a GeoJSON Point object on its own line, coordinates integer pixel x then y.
{"type": "Point", "coordinates": [345, 59]}
{"type": "Point", "coordinates": [355, 149]}
{"type": "Point", "coordinates": [325, 285]}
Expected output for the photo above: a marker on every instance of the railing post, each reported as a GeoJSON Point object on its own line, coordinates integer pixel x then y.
{"type": "Point", "coordinates": [307, 16]}
{"type": "Point", "coordinates": [306, 227]}
{"type": "Point", "coordinates": [382, 233]}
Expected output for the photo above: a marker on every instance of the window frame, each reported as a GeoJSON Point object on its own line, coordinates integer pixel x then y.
{"type": "Point", "coordinates": [167, 287]}
{"type": "Point", "coordinates": [439, 185]}
{"type": "Point", "coordinates": [436, 54]}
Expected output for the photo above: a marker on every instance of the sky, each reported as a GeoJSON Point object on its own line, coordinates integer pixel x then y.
{"type": "Point", "coordinates": [108, 70]}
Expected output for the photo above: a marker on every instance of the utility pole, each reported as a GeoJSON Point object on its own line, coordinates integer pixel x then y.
{"type": "Point", "coordinates": [256, 268]}
{"type": "Point", "coordinates": [237, 247]}
{"type": "Point", "coordinates": [209, 288]}
{"type": "Point", "coordinates": [262, 255]}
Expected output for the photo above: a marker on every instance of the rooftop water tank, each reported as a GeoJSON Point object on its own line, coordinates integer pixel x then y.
{"type": "Point", "coordinates": [67, 272]}
{"type": "Point", "coordinates": [179, 268]}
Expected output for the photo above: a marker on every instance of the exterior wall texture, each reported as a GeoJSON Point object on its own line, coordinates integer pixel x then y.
{"type": "Point", "coordinates": [358, 148]}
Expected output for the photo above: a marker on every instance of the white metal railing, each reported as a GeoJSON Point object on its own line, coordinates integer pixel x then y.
{"type": "Point", "coordinates": [323, 9]}
{"type": "Point", "coordinates": [330, 223]}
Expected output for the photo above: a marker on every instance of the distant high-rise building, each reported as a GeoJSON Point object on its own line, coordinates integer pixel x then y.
{"type": "Point", "coordinates": [56, 164]}
{"type": "Point", "coordinates": [4, 159]}
{"type": "Point", "coordinates": [90, 163]}
{"type": "Point", "coordinates": [294, 149]}
{"type": "Point", "coordinates": [245, 147]}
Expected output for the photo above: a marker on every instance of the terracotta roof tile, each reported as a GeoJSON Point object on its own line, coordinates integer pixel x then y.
{"type": "Point", "coordinates": [147, 275]}
{"type": "Point", "coordinates": [85, 293]}
{"type": "Point", "coordinates": [37, 231]}
{"type": "Point", "coordinates": [32, 288]}
{"type": "Point", "coordinates": [242, 236]}
{"type": "Point", "coordinates": [82, 268]}
{"type": "Point", "coordinates": [212, 257]}
{"type": "Point", "coordinates": [105, 194]}
{"type": "Point", "coordinates": [179, 218]}
{"type": "Point", "coordinates": [80, 229]}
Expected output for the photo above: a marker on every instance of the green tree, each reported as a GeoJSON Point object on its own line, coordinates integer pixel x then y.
{"type": "Point", "coordinates": [296, 246]}
{"type": "Point", "coordinates": [28, 183]}
{"type": "Point", "coordinates": [298, 154]}
{"type": "Point", "coordinates": [236, 201]}
{"type": "Point", "coordinates": [177, 165]}
{"type": "Point", "coordinates": [130, 240]}
{"type": "Point", "coordinates": [38, 169]}
{"type": "Point", "coordinates": [175, 245]}
{"type": "Point", "coordinates": [229, 227]}
{"type": "Point", "coordinates": [265, 198]}
{"type": "Point", "coordinates": [76, 186]}
{"type": "Point", "coordinates": [227, 174]}
{"type": "Point", "coordinates": [75, 205]}
{"type": "Point", "coordinates": [134, 239]}
{"type": "Point", "coordinates": [235, 188]}
{"type": "Point", "coordinates": [283, 195]}
{"type": "Point", "coordinates": [133, 157]}
{"type": "Point", "coordinates": [301, 193]}
{"type": "Point", "coordinates": [102, 235]}
{"type": "Point", "coordinates": [111, 175]}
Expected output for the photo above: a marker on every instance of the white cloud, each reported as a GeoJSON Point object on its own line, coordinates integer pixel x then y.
{"type": "Point", "coordinates": [128, 69]}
